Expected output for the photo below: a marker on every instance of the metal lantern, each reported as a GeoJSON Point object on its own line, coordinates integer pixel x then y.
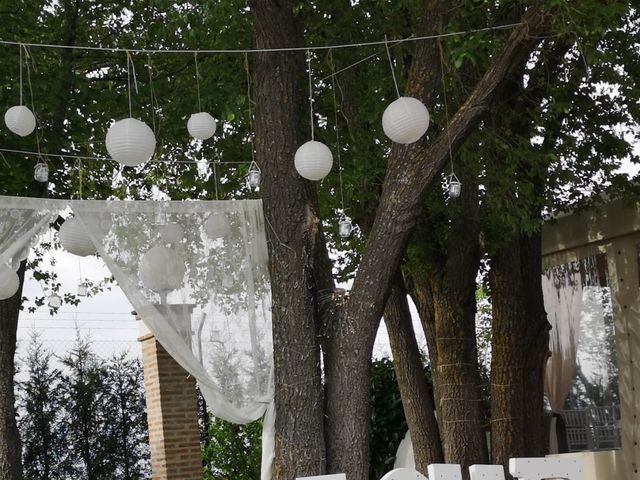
{"type": "Point", "coordinates": [41, 172]}
{"type": "Point", "coordinates": [405, 120]}
{"type": "Point", "coordinates": [201, 126]}
{"type": "Point", "coordinates": [254, 175]}
{"type": "Point", "coordinates": [74, 238]}
{"type": "Point", "coordinates": [82, 289]}
{"type": "Point", "coordinates": [162, 269]}
{"type": "Point", "coordinates": [130, 142]}
{"type": "Point", "coordinates": [20, 120]}
{"type": "Point", "coordinates": [217, 226]}
{"type": "Point", "coordinates": [313, 160]}
{"type": "Point", "coordinates": [9, 282]}
{"type": "Point", "coordinates": [171, 232]}
{"type": "Point", "coordinates": [54, 301]}
{"type": "Point", "coordinates": [455, 186]}
{"type": "Point", "coordinates": [345, 228]}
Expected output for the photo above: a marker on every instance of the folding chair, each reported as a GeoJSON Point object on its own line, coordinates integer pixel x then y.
{"type": "Point", "coordinates": [486, 472]}
{"type": "Point", "coordinates": [404, 474]}
{"type": "Point", "coordinates": [539, 468]}
{"type": "Point", "coordinates": [444, 471]}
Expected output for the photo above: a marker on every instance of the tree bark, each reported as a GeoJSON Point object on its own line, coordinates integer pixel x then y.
{"type": "Point", "coordinates": [417, 400]}
{"type": "Point", "coordinates": [520, 338]}
{"type": "Point", "coordinates": [10, 446]}
{"type": "Point", "coordinates": [296, 245]}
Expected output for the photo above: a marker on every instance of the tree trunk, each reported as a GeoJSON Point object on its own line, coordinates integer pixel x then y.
{"type": "Point", "coordinates": [295, 244]}
{"type": "Point", "coordinates": [10, 446]}
{"type": "Point", "coordinates": [520, 339]}
{"type": "Point", "coordinates": [417, 400]}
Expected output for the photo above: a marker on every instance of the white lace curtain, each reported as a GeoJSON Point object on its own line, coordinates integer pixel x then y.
{"type": "Point", "coordinates": [196, 273]}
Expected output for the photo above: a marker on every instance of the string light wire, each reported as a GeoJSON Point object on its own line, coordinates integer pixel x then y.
{"type": "Point", "coordinates": [261, 50]}
{"type": "Point", "coordinates": [310, 94]}
{"type": "Point", "coordinates": [393, 73]}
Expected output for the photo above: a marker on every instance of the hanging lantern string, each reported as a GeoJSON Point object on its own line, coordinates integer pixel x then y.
{"type": "Point", "coordinates": [310, 94]}
{"type": "Point", "coordinates": [21, 46]}
{"type": "Point", "coordinates": [135, 81]}
{"type": "Point", "coordinates": [252, 133]}
{"type": "Point", "coordinates": [215, 179]}
{"type": "Point", "coordinates": [195, 57]}
{"type": "Point", "coordinates": [154, 101]}
{"type": "Point", "coordinates": [263, 50]}
{"type": "Point", "coordinates": [33, 104]}
{"type": "Point", "coordinates": [335, 114]}
{"type": "Point", "coordinates": [446, 108]}
{"type": "Point", "coordinates": [80, 178]}
{"type": "Point", "coordinates": [393, 73]}
{"type": "Point", "coordinates": [80, 269]}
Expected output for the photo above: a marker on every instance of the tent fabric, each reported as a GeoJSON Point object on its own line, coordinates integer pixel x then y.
{"type": "Point", "coordinates": [196, 273]}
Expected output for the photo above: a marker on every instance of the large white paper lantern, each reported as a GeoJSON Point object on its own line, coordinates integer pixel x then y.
{"type": "Point", "coordinates": [201, 126]}
{"type": "Point", "coordinates": [405, 120]}
{"type": "Point", "coordinates": [313, 160]}
{"type": "Point", "coordinates": [217, 226]}
{"type": "Point", "coordinates": [20, 120]}
{"type": "Point", "coordinates": [162, 269]}
{"type": "Point", "coordinates": [74, 238]}
{"type": "Point", "coordinates": [130, 142]}
{"type": "Point", "coordinates": [9, 282]}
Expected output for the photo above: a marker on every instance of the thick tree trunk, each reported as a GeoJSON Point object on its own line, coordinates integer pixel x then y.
{"type": "Point", "coordinates": [295, 245]}
{"type": "Point", "coordinates": [10, 446]}
{"type": "Point", "coordinates": [520, 337]}
{"type": "Point", "coordinates": [417, 400]}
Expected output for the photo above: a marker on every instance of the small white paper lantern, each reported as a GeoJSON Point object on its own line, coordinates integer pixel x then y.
{"type": "Point", "coordinates": [20, 120]}
{"type": "Point", "coordinates": [313, 160]}
{"type": "Point", "coordinates": [82, 289]}
{"type": "Point", "coordinates": [201, 126]}
{"type": "Point", "coordinates": [130, 142]}
{"type": "Point", "coordinates": [254, 175]}
{"type": "Point", "coordinates": [41, 172]}
{"type": "Point", "coordinates": [9, 282]}
{"type": "Point", "coordinates": [344, 228]}
{"type": "Point", "coordinates": [455, 188]}
{"type": "Point", "coordinates": [171, 232]}
{"type": "Point", "coordinates": [405, 120]}
{"type": "Point", "coordinates": [74, 239]}
{"type": "Point", "coordinates": [54, 301]}
{"type": "Point", "coordinates": [162, 269]}
{"type": "Point", "coordinates": [217, 226]}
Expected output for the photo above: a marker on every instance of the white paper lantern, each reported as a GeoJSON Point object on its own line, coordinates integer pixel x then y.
{"type": "Point", "coordinates": [74, 238]}
{"type": "Point", "coordinates": [130, 142]}
{"type": "Point", "coordinates": [313, 160]}
{"type": "Point", "coordinates": [217, 226]}
{"type": "Point", "coordinates": [171, 232]}
{"type": "Point", "coordinates": [20, 120]}
{"type": "Point", "coordinates": [162, 269]}
{"type": "Point", "coordinates": [201, 125]}
{"type": "Point", "coordinates": [9, 282]}
{"type": "Point", "coordinates": [344, 228]}
{"type": "Point", "coordinates": [405, 120]}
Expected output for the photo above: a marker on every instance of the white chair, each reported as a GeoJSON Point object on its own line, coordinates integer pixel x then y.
{"type": "Point", "coordinates": [539, 468]}
{"type": "Point", "coordinates": [486, 472]}
{"type": "Point", "coordinates": [444, 471]}
{"type": "Point", "coordinates": [336, 476]}
{"type": "Point", "coordinates": [403, 474]}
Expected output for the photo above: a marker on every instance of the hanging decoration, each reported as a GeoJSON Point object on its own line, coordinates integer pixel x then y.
{"type": "Point", "coordinates": [41, 172]}
{"type": "Point", "coordinates": [406, 119]}
{"type": "Point", "coordinates": [83, 290]}
{"type": "Point", "coordinates": [74, 238]}
{"type": "Point", "coordinates": [19, 119]}
{"type": "Point", "coordinates": [455, 186]}
{"type": "Point", "coordinates": [254, 175]}
{"type": "Point", "coordinates": [162, 269]}
{"type": "Point", "coordinates": [313, 160]}
{"type": "Point", "coordinates": [171, 232]}
{"type": "Point", "coordinates": [54, 300]}
{"type": "Point", "coordinates": [344, 224]}
{"type": "Point", "coordinates": [130, 141]}
{"type": "Point", "coordinates": [9, 282]}
{"type": "Point", "coordinates": [201, 125]}
{"type": "Point", "coordinates": [217, 226]}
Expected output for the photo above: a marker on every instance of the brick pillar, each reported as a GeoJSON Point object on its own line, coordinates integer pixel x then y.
{"type": "Point", "coordinates": [172, 414]}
